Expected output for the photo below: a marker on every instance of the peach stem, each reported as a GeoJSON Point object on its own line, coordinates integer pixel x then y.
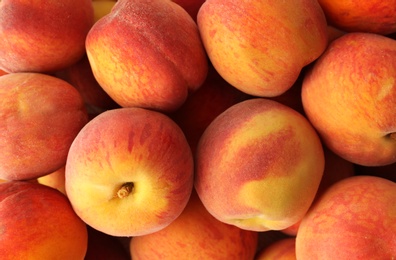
{"type": "Point", "coordinates": [393, 136]}
{"type": "Point", "coordinates": [125, 190]}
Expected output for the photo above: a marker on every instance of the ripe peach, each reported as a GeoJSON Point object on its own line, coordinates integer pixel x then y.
{"type": "Point", "coordinates": [129, 172]}
{"type": "Point", "coordinates": [259, 165]}
{"type": "Point", "coordinates": [354, 219]}
{"type": "Point", "coordinates": [43, 36]}
{"type": "Point", "coordinates": [260, 47]}
{"type": "Point", "coordinates": [40, 116]}
{"type": "Point", "coordinates": [38, 222]}
{"type": "Point", "coordinates": [349, 96]}
{"type": "Point", "coordinates": [374, 16]}
{"type": "Point", "coordinates": [147, 54]}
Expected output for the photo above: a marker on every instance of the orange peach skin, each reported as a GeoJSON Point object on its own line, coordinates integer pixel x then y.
{"type": "Point", "coordinates": [259, 165]}
{"type": "Point", "coordinates": [40, 116]}
{"type": "Point", "coordinates": [129, 172]}
{"type": "Point", "coordinates": [195, 234]}
{"type": "Point", "coordinates": [38, 222]}
{"type": "Point", "coordinates": [138, 64]}
{"type": "Point", "coordinates": [260, 47]}
{"type": "Point", "coordinates": [43, 36]}
{"type": "Point", "coordinates": [349, 96]}
{"type": "Point", "coordinates": [354, 219]}
{"type": "Point", "coordinates": [374, 16]}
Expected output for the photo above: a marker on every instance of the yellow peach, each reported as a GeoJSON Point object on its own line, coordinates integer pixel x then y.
{"type": "Point", "coordinates": [129, 172]}
{"type": "Point", "coordinates": [38, 222]}
{"type": "Point", "coordinates": [43, 36]}
{"type": "Point", "coordinates": [259, 165]}
{"type": "Point", "coordinates": [147, 54]}
{"type": "Point", "coordinates": [260, 47]}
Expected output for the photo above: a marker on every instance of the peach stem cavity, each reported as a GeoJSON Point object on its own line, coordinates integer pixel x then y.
{"type": "Point", "coordinates": [125, 190]}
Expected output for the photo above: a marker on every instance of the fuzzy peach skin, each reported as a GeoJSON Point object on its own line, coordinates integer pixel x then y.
{"type": "Point", "coordinates": [260, 47]}
{"type": "Point", "coordinates": [129, 172]}
{"type": "Point", "coordinates": [349, 96]}
{"type": "Point", "coordinates": [38, 222]}
{"type": "Point", "coordinates": [40, 116]}
{"type": "Point", "coordinates": [195, 234]}
{"type": "Point", "coordinates": [43, 35]}
{"type": "Point", "coordinates": [374, 16]}
{"type": "Point", "coordinates": [354, 219]}
{"type": "Point", "coordinates": [259, 165]}
{"type": "Point", "coordinates": [147, 54]}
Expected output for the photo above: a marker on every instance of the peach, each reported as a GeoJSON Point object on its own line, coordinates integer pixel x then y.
{"type": "Point", "coordinates": [374, 16]}
{"type": "Point", "coordinates": [129, 172]}
{"type": "Point", "coordinates": [40, 115]}
{"type": "Point", "coordinates": [260, 47]}
{"type": "Point", "coordinates": [349, 96]}
{"type": "Point", "coordinates": [259, 165]}
{"type": "Point", "coordinates": [38, 222]}
{"type": "Point", "coordinates": [354, 219]}
{"type": "Point", "coordinates": [147, 54]}
{"type": "Point", "coordinates": [195, 234]}
{"type": "Point", "coordinates": [43, 36]}
{"type": "Point", "coordinates": [284, 249]}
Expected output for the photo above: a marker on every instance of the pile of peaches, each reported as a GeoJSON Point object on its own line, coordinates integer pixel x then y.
{"type": "Point", "coordinates": [192, 129]}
